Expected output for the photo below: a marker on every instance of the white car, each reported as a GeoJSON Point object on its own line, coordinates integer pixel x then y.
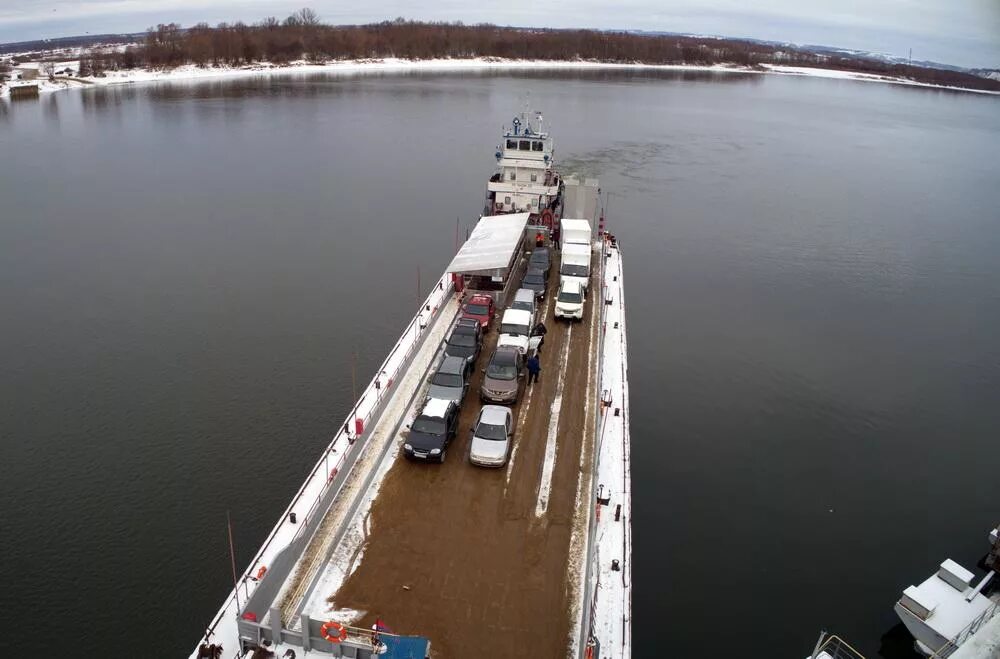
{"type": "Point", "coordinates": [569, 302]}
{"type": "Point", "coordinates": [492, 436]}
{"type": "Point", "coordinates": [515, 330]}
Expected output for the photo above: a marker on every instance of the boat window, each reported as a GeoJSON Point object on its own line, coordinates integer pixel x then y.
{"type": "Point", "coordinates": [506, 200]}
{"type": "Point", "coordinates": [513, 176]}
{"type": "Point", "coordinates": [525, 145]}
{"type": "Point", "coordinates": [511, 144]}
{"type": "Point", "coordinates": [534, 178]}
{"type": "Point", "coordinates": [537, 146]}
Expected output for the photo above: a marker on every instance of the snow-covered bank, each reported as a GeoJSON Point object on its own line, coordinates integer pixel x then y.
{"type": "Point", "coordinates": [862, 77]}
{"type": "Point", "coordinates": [393, 65]}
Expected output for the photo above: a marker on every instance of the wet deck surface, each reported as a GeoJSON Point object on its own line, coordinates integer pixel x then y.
{"type": "Point", "coordinates": [483, 553]}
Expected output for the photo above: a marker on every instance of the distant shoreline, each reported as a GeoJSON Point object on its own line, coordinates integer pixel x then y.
{"type": "Point", "coordinates": [190, 72]}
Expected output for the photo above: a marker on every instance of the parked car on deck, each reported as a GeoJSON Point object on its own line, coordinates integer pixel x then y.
{"type": "Point", "coordinates": [465, 340]}
{"type": "Point", "coordinates": [502, 379]}
{"type": "Point", "coordinates": [432, 431]}
{"type": "Point", "coordinates": [515, 330]}
{"type": "Point", "coordinates": [491, 436]}
{"type": "Point", "coordinates": [482, 308]}
{"type": "Point", "coordinates": [537, 280]}
{"type": "Point", "coordinates": [540, 258]}
{"type": "Point", "coordinates": [451, 380]}
{"type": "Point", "coordinates": [524, 299]}
{"type": "Point", "coordinates": [569, 301]}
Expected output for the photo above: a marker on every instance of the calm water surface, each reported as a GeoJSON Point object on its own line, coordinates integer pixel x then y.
{"type": "Point", "coordinates": [813, 294]}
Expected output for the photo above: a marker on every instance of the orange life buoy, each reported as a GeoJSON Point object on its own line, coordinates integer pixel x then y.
{"type": "Point", "coordinates": [547, 218]}
{"type": "Point", "coordinates": [261, 572]}
{"type": "Point", "coordinates": [341, 632]}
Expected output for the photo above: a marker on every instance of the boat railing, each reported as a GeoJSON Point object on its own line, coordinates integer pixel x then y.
{"type": "Point", "coordinates": [834, 647]}
{"type": "Point", "coordinates": [949, 647]}
{"type": "Point", "coordinates": [337, 452]}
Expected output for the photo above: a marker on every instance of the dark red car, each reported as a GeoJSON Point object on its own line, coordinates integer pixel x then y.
{"type": "Point", "coordinates": [480, 307]}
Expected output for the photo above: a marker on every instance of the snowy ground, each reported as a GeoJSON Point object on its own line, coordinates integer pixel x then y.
{"type": "Point", "coordinates": [191, 72]}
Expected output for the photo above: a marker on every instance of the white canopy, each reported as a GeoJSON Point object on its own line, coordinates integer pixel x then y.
{"type": "Point", "coordinates": [491, 245]}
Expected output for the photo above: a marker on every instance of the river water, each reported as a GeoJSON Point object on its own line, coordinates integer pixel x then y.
{"type": "Point", "coordinates": [189, 273]}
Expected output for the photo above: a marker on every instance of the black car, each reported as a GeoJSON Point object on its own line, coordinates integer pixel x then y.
{"type": "Point", "coordinates": [536, 280]}
{"type": "Point", "coordinates": [465, 340]}
{"type": "Point", "coordinates": [432, 431]}
{"type": "Point", "coordinates": [540, 258]}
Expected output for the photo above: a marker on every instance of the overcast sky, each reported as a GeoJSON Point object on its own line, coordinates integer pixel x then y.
{"type": "Point", "coordinates": [962, 32]}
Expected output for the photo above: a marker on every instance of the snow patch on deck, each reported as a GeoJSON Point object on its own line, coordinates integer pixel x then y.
{"type": "Point", "coordinates": [551, 445]}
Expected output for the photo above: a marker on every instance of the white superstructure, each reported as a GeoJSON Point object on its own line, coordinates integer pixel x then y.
{"type": "Point", "coordinates": [525, 180]}
{"type": "Point", "coordinates": [947, 608]}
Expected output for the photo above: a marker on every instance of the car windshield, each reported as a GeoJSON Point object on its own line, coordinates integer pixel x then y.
{"type": "Point", "coordinates": [428, 425]}
{"type": "Point", "coordinates": [489, 431]}
{"type": "Point", "coordinates": [534, 279]}
{"type": "Point", "coordinates": [463, 340]}
{"type": "Point", "coordinates": [573, 298]}
{"type": "Point", "coordinates": [522, 305]}
{"type": "Point", "coordinates": [447, 380]}
{"type": "Point", "coordinates": [512, 328]}
{"type": "Point", "coordinates": [502, 369]}
{"type": "Point", "coordinates": [573, 270]}
{"type": "Point", "coordinates": [477, 309]}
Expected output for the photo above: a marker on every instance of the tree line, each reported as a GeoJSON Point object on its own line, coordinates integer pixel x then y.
{"type": "Point", "coordinates": [302, 36]}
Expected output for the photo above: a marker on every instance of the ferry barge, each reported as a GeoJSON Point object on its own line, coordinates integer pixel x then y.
{"type": "Point", "coordinates": [381, 556]}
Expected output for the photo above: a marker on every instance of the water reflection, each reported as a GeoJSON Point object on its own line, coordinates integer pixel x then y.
{"type": "Point", "coordinates": [50, 106]}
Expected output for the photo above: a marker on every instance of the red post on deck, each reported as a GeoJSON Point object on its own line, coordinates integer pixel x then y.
{"type": "Point", "coordinates": [359, 427]}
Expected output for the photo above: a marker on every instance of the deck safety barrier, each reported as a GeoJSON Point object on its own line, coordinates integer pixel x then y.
{"type": "Point", "coordinates": [835, 647]}
{"type": "Point", "coordinates": [346, 445]}
{"type": "Point", "coordinates": [948, 648]}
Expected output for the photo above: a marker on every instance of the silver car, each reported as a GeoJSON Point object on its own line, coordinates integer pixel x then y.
{"type": "Point", "coordinates": [492, 436]}
{"type": "Point", "coordinates": [451, 380]}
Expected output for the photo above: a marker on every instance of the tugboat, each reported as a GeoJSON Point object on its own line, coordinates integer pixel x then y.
{"type": "Point", "coordinates": [525, 180]}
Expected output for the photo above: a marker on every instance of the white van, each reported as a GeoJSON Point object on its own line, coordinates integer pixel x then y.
{"type": "Point", "coordinates": [569, 302]}
{"type": "Point", "coordinates": [524, 299]}
{"type": "Point", "coordinates": [515, 330]}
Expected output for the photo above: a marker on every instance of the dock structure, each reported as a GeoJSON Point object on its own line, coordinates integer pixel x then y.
{"type": "Point", "coordinates": [390, 554]}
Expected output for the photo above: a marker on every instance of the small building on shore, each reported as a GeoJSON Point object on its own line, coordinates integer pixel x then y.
{"type": "Point", "coordinates": [23, 89]}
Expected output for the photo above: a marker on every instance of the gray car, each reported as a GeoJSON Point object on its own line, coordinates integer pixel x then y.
{"type": "Point", "coordinates": [524, 299]}
{"type": "Point", "coordinates": [502, 380]}
{"type": "Point", "coordinates": [451, 380]}
{"type": "Point", "coordinates": [491, 436]}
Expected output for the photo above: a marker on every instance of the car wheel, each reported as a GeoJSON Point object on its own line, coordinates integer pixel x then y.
{"type": "Point", "coordinates": [444, 454]}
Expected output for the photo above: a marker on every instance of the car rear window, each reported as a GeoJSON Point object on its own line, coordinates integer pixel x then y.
{"type": "Point", "coordinates": [447, 380]}
{"type": "Point", "coordinates": [464, 340]}
{"type": "Point", "coordinates": [477, 309]}
{"type": "Point", "coordinates": [489, 431]}
{"type": "Point", "coordinates": [429, 425]}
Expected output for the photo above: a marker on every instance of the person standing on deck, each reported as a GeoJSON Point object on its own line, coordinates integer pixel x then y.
{"type": "Point", "coordinates": [534, 369]}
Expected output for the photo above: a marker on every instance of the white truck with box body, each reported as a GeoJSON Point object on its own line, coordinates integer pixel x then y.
{"type": "Point", "coordinates": [575, 264]}
{"type": "Point", "coordinates": [574, 232]}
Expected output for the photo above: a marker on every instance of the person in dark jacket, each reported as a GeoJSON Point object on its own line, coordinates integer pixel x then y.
{"type": "Point", "coordinates": [539, 330]}
{"type": "Point", "coordinates": [534, 369]}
